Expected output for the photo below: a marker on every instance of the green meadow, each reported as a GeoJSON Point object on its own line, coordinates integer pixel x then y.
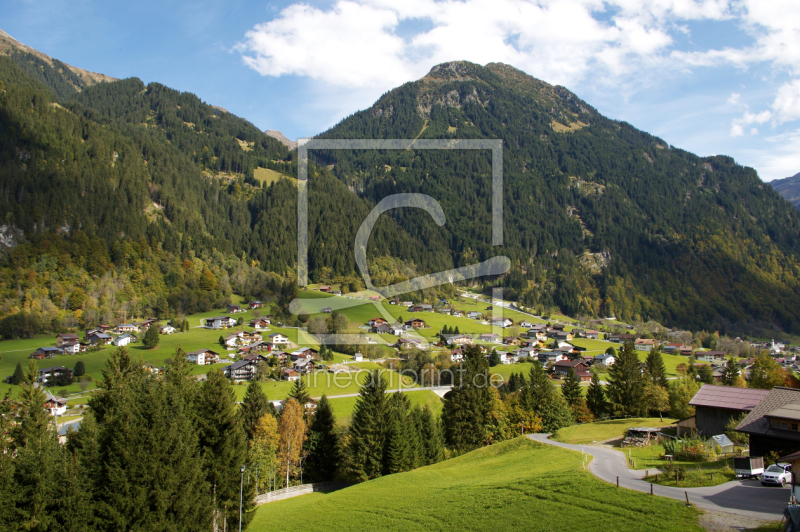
{"type": "Point", "coordinates": [511, 485]}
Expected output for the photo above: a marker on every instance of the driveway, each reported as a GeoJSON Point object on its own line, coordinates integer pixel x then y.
{"type": "Point", "coordinates": [742, 497]}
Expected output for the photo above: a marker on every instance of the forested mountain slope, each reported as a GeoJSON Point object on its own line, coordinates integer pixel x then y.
{"type": "Point", "coordinates": [789, 188]}
{"type": "Point", "coordinates": [600, 218]}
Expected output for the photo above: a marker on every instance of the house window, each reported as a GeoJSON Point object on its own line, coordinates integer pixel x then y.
{"type": "Point", "coordinates": [780, 425]}
{"type": "Point", "coordinates": [794, 426]}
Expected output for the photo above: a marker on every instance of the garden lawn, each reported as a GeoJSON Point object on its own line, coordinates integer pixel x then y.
{"type": "Point", "coordinates": [605, 430]}
{"type": "Point", "coordinates": [695, 477]}
{"type": "Point", "coordinates": [514, 485]}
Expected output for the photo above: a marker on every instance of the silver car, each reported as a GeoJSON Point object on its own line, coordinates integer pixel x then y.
{"type": "Point", "coordinates": [777, 475]}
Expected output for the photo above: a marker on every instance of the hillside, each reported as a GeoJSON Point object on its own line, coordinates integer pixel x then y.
{"type": "Point", "coordinates": [789, 188]}
{"type": "Point", "coordinates": [600, 218]}
{"type": "Point", "coordinates": [506, 486]}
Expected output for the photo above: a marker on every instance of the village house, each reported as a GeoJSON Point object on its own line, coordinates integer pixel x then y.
{"type": "Point", "coordinates": [551, 357]}
{"type": "Point", "coordinates": [47, 375]}
{"type": "Point", "coordinates": [123, 328]}
{"type": "Point", "coordinates": [501, 322]}
{"type": "Point", "coordinates": [773, 425]}
{"type": "Point", "coordinates": [711, 356]}
{"type": "Point", "coordinates": [123, 340]}
{"type": "Point", "coordinates": [290, 375]}
{"type": "Point", "coordinates": [233, 309]}
{"type": "Point", "coordinates": [457, 355]}
{"type": "Point", "coordinates": [458, 339]}
{"type": "Point", "coordinates": [71, 348]}
{"type": "Point", "coordinates": [621, 338]}
{"type": "Point", "coordinates": [605, 359]}
{"type": "Point", "coordinates": [219, 322]}
{"type": "Point", "coordinates": [473, 315]}
{"type": "Point", "coordinates": [167, 329]}
{"type": "Point", "coordinates": [304, 352]}
{"type": "Point", "coordinates": [407, 343]}
{"type": "Point", "coordinates": [260, 323]}
{"type": "Point", "coordinates": [55, 405]}
{"type": "Point", "coordinates": [99, 338]}
{"type": "Point", "coordinates": [255, 304]}
{"type": "Point", "coordinates": [327, 310]}
{"type": "Point", "coordinates": [66, 338]}
{"type": "Point", "coordinates": [382, 328]}
{"type": "Point", "coordinates": [374, 322]}
{"type": "Point", "coordinates": [416, 323]}
{"type": "Point", "coordinates": [202, 357]}
{"type": "Point", "coordinates": [644, 344]}
{"type": "Point", "coordinates": [512, 340]}
{"type": "Point", "coordinates": [489, 337]}
{"type": "Point", "coordinates": [143, 326]}
{"type": "Point", "coordinates": [562, 368]}
{"type": "Point", "coordinates": [457, 313]}
{"type": "Point", "coordinates": [421, 308]}
{"type": "Point", "coordinates": [325, 288]}
{"type": "Point", "coordinates": [561, 336]}
{"type": "Point", "coordinates": [358, 357]}
{"type": "Point", "coordinates": [45, 352]}
{"type": "Point", "coordinates": [234, 340]}
{"type": "Point", "coordinates": [278, 339]}
{"type": "Point", "coordinates": [525, 324]}
{"type": "Point", "coordinates": [715, 406]}
{"type": "Point", "coordinates": [592, 335]}
{"type": "Point", "coordinates": [508, 358]}
{"type": "Point", "coordinates": [243, 370]}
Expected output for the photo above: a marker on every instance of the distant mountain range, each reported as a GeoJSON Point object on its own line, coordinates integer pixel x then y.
{"type": "Point", "coordinates": [599, 217]}
{"type": "Point", "coordinates": [789, 188]}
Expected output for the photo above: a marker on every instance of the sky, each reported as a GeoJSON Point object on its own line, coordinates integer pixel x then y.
{"type": "Point", "coordinates": [708, 76]}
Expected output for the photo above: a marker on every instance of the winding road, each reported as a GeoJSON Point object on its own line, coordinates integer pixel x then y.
{"type": "Point", "coordinates": [741, 497]}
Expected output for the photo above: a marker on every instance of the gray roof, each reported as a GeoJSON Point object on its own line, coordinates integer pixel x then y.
{"type": "Point", "coordinates": [728, 397]}
{"type": "Point", "coordinates": [237, 365]}
{"type": "Point", "coordinates": [756, 421]}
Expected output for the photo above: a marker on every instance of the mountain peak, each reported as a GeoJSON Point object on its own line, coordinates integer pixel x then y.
{"type": "Point", "coordinates": [274, 133]}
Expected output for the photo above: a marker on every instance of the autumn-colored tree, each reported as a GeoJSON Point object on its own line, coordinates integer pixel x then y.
{"type": "Point", "coordinates": [766, 373]}
{"type": "Point", "coordinates": [292, 429]}
{"type": "Point", "coordinates": [264, 447]}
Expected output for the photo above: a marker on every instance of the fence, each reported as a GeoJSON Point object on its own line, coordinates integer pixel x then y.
{"type": "Point", "coordinates": [302, 489]}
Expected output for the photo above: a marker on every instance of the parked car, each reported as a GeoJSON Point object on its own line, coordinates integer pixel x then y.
{"type": "Point", "coordinates": [777, 474]}
{"type": "Point", "coordinates": [748, 466]}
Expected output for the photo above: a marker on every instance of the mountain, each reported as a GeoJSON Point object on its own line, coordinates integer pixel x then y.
{"type": "Point", "coordinates": [599, 218]}
{"type": "Point", "coordinates": [62, 78]}
{"type": "Point", "coordinates": [274, 133]}
{"type": "Point", "coordinates": [789, 188]}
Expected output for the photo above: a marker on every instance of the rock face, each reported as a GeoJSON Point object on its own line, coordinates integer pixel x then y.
{"type": "Point", "coordinates": [274, 133]}
{"type": "Point", "coordinates": [789, 188]}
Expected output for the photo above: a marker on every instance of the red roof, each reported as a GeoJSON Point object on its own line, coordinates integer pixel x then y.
{"type": "Point", "coordinates": [728, 397]}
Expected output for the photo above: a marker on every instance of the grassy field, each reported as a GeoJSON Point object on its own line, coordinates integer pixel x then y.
{"type": "Point", "coordinates": [514, 485]}
{"type": "Point", "coordinates": [267, 176]}
{"type": "Point", "coordinates": [343, 407]}
{"type": "Point", "coordinates": [605, 430]}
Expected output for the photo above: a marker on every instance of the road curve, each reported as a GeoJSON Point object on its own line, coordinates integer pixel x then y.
{"type": "Point", "coordinates": [741, 497]}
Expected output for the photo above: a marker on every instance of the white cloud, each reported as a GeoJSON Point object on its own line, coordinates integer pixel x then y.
{"type": "Point", "coordinates": [736, 130]}
{"type": "Point", "coordinates": [787, 102]}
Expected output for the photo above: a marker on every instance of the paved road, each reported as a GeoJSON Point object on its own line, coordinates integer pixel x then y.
{"type": "Point", "coordinates": [742, 497]}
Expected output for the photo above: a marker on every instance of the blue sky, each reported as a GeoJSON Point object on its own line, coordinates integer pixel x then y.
{"type": "Point", "coordinates": [709, 76]}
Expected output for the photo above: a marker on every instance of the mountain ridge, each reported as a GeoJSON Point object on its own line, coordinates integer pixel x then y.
{"type": "Point", "coordinates": [789, 188]}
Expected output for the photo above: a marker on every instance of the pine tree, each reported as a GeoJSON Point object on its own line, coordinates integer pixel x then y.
{"type": "Point", "coordinates": [730, 373]}
{"type": "Point", "coordinates": [299, 392]}
{"type": "Point", "coordinates": [400, 446]}
{"type": "Point", "coordinates": [541, 398]}
{"type": "Point", "coordinates": [571, 388]}
{"type": "Point", "coordinates": [19, 375]}
{"type": "Point", "coordinates": [465, 415]}
{"type": "Point", "coordinates": [254, 405]}
{"type": "Point", "coordinates": [367, 438]}
{"type": "Point", "coordinates": [8, 489]}
{"type": "Point", "coordinates": [626, 382]}
{"type": "Point", "coordinates": [79, 370]}
{"type": "Point", "coordinates": [323, 460]}
{"type": "Point", "coordinates": [494, 358]}
{"type": "Point", "coordinates": [655, 367]}
{"type": "Point", "coordinates": [223, 445]}
{"type": "Point", "coordinates": [151, 337]}
{"type": "Point", "coordinates": [430, 435]}
{"type": "Point", "coordinates": [596, 398]}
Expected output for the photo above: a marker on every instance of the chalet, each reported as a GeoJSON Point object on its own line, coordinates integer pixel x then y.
{"type": "Point", "coordinates": [397, 330]}
{"type": "Point", "coordinates": [557, 327]}
{"type": "Point", "coordinates": [167, 329]}
{"type": "Point", "coordinates": [670, 347]}
{"type": "Point", "coordinates": [686, 350]}
{"type": "Point", "coordinates": [562, 336]}
{"type": "Point", "coordinates": [303, 365]}
{"type": "Point", "coordinates": [508, 358]}
{"type": "Point", "coordinates": [457, 355]}
{"type": "Point", "coordinates": [282, 356]}
{"type": "Point", "coordinates": [71, 348]}
{"type": "Point", "coordinates": [374, 298]}
{"type": "Point", "coordinates": [243, 370]}
{"type": "Point", "coordinates": [546, 357]}
{"type": "Point", "coordinates": [255, 347]}
{"type": "Point", "coordinates": [382, 328]}
{"type": "Point", "coordinates": [66, 338]}
{"type": "Point", "coordinates": [259, 323]}
{"type": "Point", "coordinates": [774, 423]}
{"type": "Point", "coordinates": [592, 335]}
{"type": "Point", "coordinates": [621, 338]}
{"type": "Point", "coordinates": [57, 406]}
{"type": "Point", "coordinates": [377, 321]}
{"type": "Point", "coordinates": [711, 356]}
{"type": "Point", "coordinates": [458, 339]}
{"type": "Point", "coordinates": [605, 359]}
{"type": "Point", "coordinates": [124, 328]}
{"type": "Point", "coordinates": [234, 340]}
{"type": "Point", "coordinates": [578, 333]}
{"type": "Point", "coordinates": [143, 326]}
{"type": "Point", "coordinates": [202, 357]}
{"type": "Point", "coordinates": [421, 308]}
{"type": "Point", "coordinates": [219, 322]}
{"type": "Point", "coordinates": [715, 406]}
{"type": "Point", "coordinates": [489, 337]}
{"type": "Point", "coordinates": [525, 324]}
{"type": "Point", "coordinates": [562, 368]}
{"type": "Point", "coordinates": [290, 375]}
{"type": "Point", "coordinates": [327, 310]}
{"type": "Point", "coordinates": [358, 357]}
{"type": "Point", "coordinates": [406, 303]}
{"type": "Point", "coordinates": [337, 292]}
{"type": "Point", "coordinates": [644, 344]}
{"type": "Point", "coordinates": [45, 352]}
{"type": "Point", "coordinates": [99, 338]}
{"type": "Point", "coordinates": [233, 309]}
{"type": "Point", "coordinates": [304, 352]}
{"type": "Point", "coordinates": [123, 340]}
{"type": "Point", "coordinates": [251, 337]}
{"type": "Point", "coordinates": [457, 313]}
{"type": "Point", "coordinates": [407, 343]}
{"type": "Point", "coordinates": [417, 323]}
{"type": "Point", "coordinates": [278, 339]}
{"type": "Point", "coordinates": [501, 322]}
{"type": "Point", "coordinates": [324, 288]}
{"type": "Point", "coordinates": [48, 375]}
{"type": "Point", "coordinates": [512, 340]}
{"type": "Point", "coordinates": [473, 315]}
{"type": "Point", "coordinates": [255, 358]}
{"type": "Point", "coordinates": [255, 304]}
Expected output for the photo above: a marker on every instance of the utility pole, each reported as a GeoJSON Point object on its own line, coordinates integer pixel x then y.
{"type": "Point", "coordinates": [241, 491]}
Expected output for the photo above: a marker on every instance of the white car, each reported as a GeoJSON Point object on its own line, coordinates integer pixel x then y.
{"type": "Point", "coordinates": [777, 474]}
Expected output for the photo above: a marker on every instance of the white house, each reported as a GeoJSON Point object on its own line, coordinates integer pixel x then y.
{"type": "Point", "coordinates": [70, 348]}
{"type": "Point", "coordinates": [502, 322]}
{"type": "Point", "coordinates": [260, 323]}
{"type": "Point", "coordinates": [509, 358]}
{"type": "Point", "coordinates": [123, 340]}
{"type": "Point", "coordinates": [711, 356]}
{"type": "Point", "coordinates": [126, 328]}
{"type": "Point", "coordinates": [644, 344]}
{"type": "Point", "coordinates": [202, 357]}
{"type": "Point", "coordinates": [358, 357]}
{"type": "Point", "coordinates": [457, 355]}
{"type": "Point", "coordinates": [234, 340]}
{"type": "Point", "coordinates": [167, 329]}
{"type": "Point", "coordinates": [525, 324]}
{"type": "Point", "coordinates": [57, 406]}
{"type": "Point", "coordinates": [605, 359]}
{"type": "Point", "coordinates": [220, 322]}
{"type": "Point", "coordinates": [489, 337]}
{"type": "Point", "coordinates": [278, 339]}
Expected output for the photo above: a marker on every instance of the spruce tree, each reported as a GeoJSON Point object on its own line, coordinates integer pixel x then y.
{"type": "Point", "coordinates": [730, 373]}
{"type": "Point", "coordinates": [430, 435]}
{"type": "Point", "coordinates": [79, 370]}
{"type": "Point", "coordinates": [254, 405]}
{"type": "Point", "coordinates": [541, 398]}
{"type": "Point", "coordinates": [400, 445]}
{"type": "Point", "coordinates": [626, 383]}
{"type": "Point", "coordinates": [19, 375]}
{"type": "Point", "coordinates": [300, 392]}
{"type": "Point", "coordinates": [368, 429]}
{"type": "Point", "coordinates": [151, 337]}
{"type": "Point", "coordinates": [465, 415]}
{"type": "Point", "coordinates": [596, 398]}
{"type": "Point", "coordinates": [494, 358]}
{"type": "Point", "coordinates": [223, 446]}
{"type": "Point", "coordinates": [323, 459]}
{"type": "Point", "coordinates": [571, 388]}
{"type": "Point", "coordinates": [655, 367]}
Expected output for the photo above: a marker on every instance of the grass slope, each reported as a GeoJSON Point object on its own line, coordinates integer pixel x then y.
{"type": "Point", "coordinates": [514, 485]}
{"type": "Point", "coordinates": [343, 407]}
{"type": "Point", "coordinates": [605, 430]}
